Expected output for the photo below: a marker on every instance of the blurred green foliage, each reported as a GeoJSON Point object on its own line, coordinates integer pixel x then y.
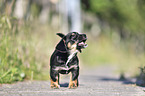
{"type": "Point", "coordinates": [121, 13]}
{"type": "Point", "coordinates": [105, 51]}
{"type": "Point", "coordinates": [21, 55]}
{"type": "Point", "coordinates": [125, 20]}
{"type": "Point", "coordinates": [10, 64]}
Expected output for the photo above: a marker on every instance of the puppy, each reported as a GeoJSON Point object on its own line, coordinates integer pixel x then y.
{"type": "Point", "coordinates": [64, 59]}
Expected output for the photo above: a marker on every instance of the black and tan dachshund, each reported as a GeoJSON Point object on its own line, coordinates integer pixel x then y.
{"type": "Point", "coordinates": [64, 59]}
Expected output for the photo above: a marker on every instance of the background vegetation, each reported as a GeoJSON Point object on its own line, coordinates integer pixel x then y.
{"type": "Point", "coordinates": [115, 30]}
{"type": "Point", "coordinates": [122, 30]}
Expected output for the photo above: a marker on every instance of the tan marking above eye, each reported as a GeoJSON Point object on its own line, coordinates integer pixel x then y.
{"type": "Point", "coordinates": [69, 45]}
{"type": "Point", "coordinates": [73, 34]}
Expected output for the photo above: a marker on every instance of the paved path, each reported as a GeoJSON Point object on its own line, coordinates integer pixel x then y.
{"type": "Point", "coordinates": [99, 81]}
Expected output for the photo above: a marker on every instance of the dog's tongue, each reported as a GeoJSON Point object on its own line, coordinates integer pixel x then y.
{"type": "Point", "coordinates": [80, 44]}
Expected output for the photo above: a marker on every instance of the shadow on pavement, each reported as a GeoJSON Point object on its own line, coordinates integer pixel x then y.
{"type": "Point", "coordinates": [64, 85]}
{"type": "Point", "coordinates": [101, 78]}
{"type": "Point", "coordinates": [125, 81]}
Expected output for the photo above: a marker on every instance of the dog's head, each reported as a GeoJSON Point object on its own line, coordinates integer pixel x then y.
{"type": "Point", "coordinates": [72, 41]}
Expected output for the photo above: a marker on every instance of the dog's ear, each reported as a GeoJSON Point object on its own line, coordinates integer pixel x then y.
{"type": "Point", "coordinates": [60, 35]}
{"type": "Point", "coordinates": [61, 46]}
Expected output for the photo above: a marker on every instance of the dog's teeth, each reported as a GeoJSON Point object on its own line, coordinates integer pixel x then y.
{"type": "Point", "coordinates": [86, 45]}
{"type": "Point", "coordinates": [82, 43]}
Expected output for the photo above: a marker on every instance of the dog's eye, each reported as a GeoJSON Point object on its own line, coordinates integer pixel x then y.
{"type": "Point", "coordinates": [80, 37]}
{"type": "Point", "coordinates": [73, 37]}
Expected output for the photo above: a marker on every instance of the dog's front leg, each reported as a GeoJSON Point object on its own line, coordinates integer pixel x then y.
{"type": "Point", "coordinates": [74, 78]}
{"type": "Point", "coordinates": [54, 75]}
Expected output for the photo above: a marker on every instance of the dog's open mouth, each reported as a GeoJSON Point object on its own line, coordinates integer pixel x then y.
{"type": "Point", "coordinates": [82, 44]}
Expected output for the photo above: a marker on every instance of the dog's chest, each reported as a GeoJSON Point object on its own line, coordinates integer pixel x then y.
{"type": "Point", "coordinates": [72, 54]}
{"type": "Point", "coordinates": [68, 66]}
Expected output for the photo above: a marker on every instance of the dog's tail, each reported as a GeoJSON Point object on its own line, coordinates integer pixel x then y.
{"type": "Point", "coordinates": [60, 35]}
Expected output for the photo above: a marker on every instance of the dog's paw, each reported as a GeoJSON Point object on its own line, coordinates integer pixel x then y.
{"type": "Point", "coordinates": [73, 85]}
{"type": "Point", "coordinates": [55, 86]}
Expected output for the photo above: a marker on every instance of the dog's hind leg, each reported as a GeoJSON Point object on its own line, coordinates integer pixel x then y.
{"type": "Point", "coordinates": [74, 78]}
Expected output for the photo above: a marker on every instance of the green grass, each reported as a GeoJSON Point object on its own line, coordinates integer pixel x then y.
{"type": "Point", "coordinates": [10, 64]}
{"type": "Point", "coordinates": [24, 50]}
{"type": "Point", "coordinates": [35, 47]}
